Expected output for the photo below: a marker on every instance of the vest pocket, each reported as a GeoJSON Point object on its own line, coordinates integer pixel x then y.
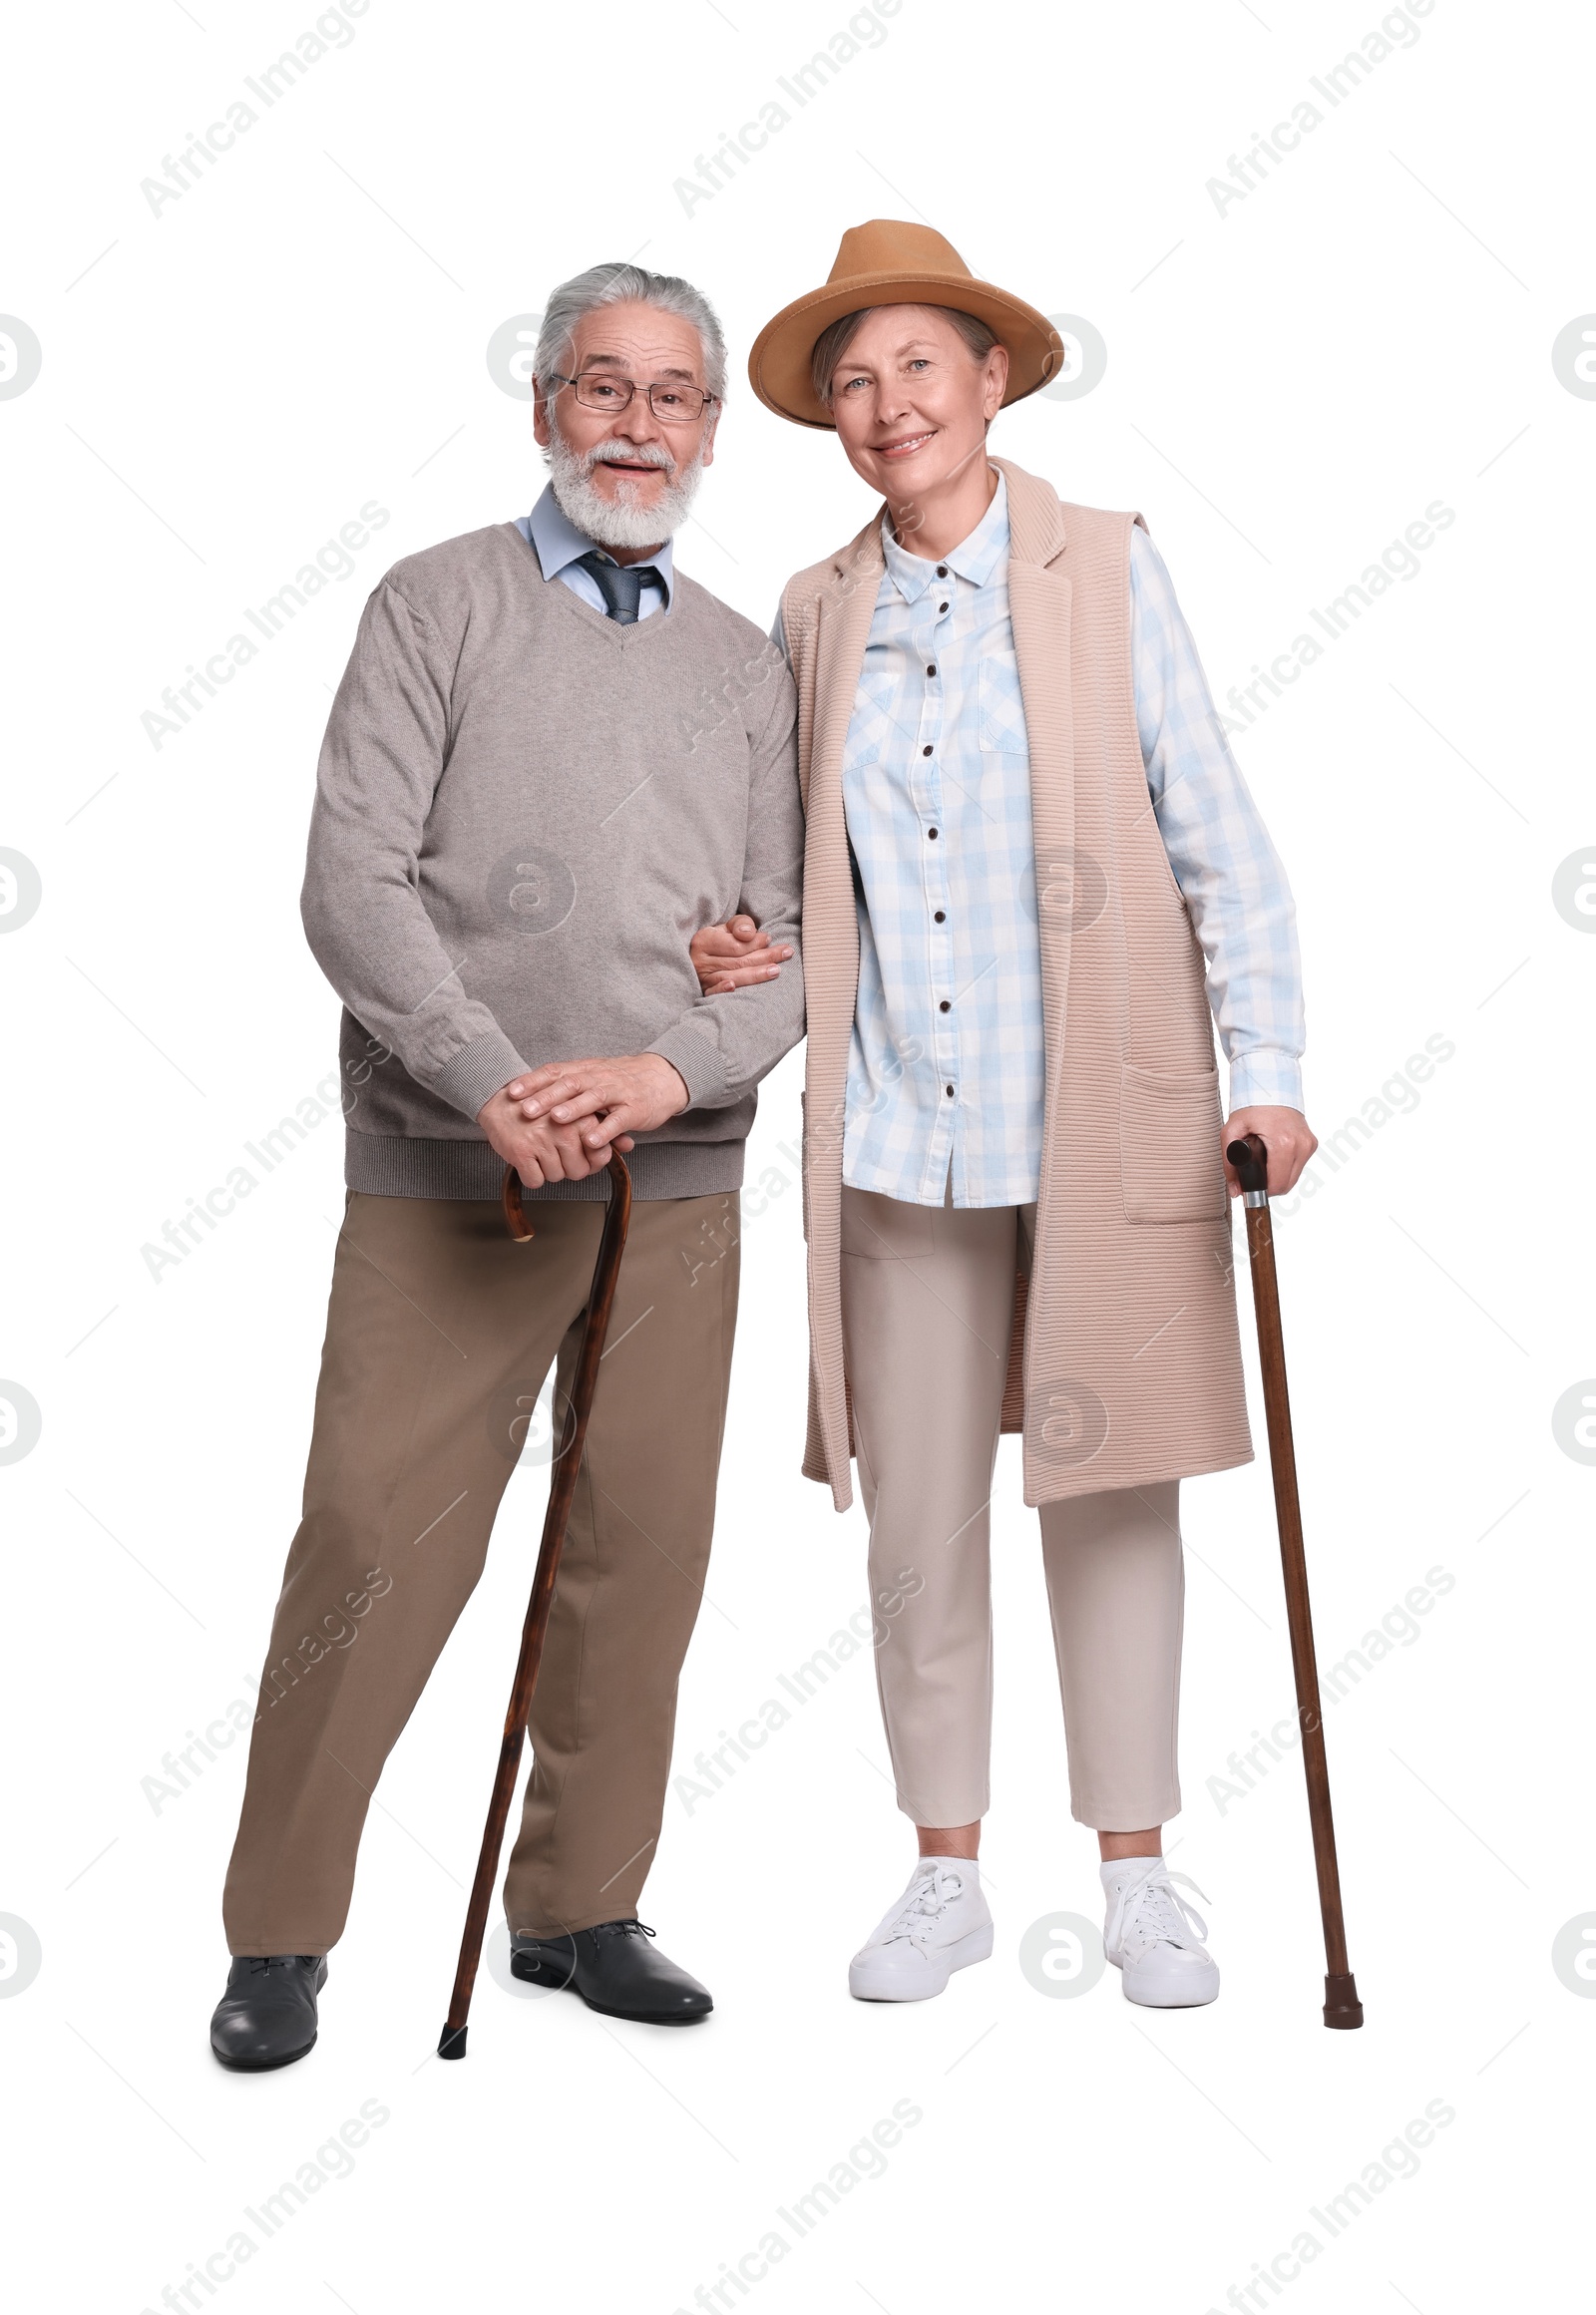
{"type": "Point", "coordinates": [1169, 1163]}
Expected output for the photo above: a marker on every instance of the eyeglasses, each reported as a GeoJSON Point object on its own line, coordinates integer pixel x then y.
{"type": "Point", "coordinates": [671, 405]}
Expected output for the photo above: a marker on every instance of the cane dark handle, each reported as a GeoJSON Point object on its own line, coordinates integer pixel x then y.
{"type": "Point", "coordinates": [1250, 1158]}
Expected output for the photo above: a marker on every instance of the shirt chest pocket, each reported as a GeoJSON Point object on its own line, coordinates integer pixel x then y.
{"type": "Point", "coordinates": [1001, 712]}
{"type": "Point", "coordinates": [870, 730]}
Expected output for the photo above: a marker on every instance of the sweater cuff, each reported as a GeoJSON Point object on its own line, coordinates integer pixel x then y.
{"type": "Point", "coordinates": [697, 1061]}
{"type": "Point", "coordinates": [1266, 1079]}
{"type": "Point", "coordinates": [478, 1072]}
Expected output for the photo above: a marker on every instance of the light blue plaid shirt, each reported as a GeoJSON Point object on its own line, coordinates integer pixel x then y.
{"type": "Point", "coordinates": [946, 1066]}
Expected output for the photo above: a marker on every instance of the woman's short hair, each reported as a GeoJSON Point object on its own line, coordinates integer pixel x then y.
{"type": "Point", "coordinates": [834, 342]}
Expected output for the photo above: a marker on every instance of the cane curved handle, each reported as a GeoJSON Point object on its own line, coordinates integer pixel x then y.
{"type": "Point", "coordinates": [520, 1229]}
{"type": "Point", "coordinates": [516, 1222]}
{"type": "Point", "coordinates": [1250, 1158]}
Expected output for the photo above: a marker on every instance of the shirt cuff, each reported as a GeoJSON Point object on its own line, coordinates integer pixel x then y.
{"type": "Point", "coordinates": [696, 1061]}
{"type": "Point", "coordinates": [1266, 1079]}
{"type": "Point", "coordinates": [477, 1073]}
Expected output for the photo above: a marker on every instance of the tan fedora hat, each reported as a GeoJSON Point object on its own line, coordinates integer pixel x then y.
{"type": "Point", "coordinates": [888, 263]}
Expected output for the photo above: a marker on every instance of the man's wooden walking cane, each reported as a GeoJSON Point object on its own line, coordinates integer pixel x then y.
{"type": "Point", "coordinates": [562, 1486]}
{"type": "Point", "coordinates": [1251, 1161]}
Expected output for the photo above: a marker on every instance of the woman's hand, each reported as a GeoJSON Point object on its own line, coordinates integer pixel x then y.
{"type": "Point", "coordinates": [1285, 1134]}
{"type": "Point", "coordinates": [735, 954]}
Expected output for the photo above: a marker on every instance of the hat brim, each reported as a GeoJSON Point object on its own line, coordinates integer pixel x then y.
{"type": "Point", "coordinates": [778, 365]}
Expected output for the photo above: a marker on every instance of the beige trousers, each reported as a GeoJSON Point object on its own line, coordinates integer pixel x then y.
{"type": "Point", "coordinates": [440, 1333]}
{"type": "Point", "coordinates": [928, 1306]}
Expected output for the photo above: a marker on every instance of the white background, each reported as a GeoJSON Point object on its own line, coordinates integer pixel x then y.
{"type": "Point", "coordinates": [1290, 383]}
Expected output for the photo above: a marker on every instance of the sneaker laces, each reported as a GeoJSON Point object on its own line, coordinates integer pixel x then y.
{"type": "Point", "coordinates": [925, 1902]}
{"type": "Point", "coordinates": [1150, 1911]}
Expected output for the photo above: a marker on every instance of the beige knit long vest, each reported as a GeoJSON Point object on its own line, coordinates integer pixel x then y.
{"type": "Point", "coordinates": [1126, 1365]}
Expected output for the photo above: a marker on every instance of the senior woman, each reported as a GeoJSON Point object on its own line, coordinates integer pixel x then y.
{"type": "Point", "coordinates": [1025, 834]}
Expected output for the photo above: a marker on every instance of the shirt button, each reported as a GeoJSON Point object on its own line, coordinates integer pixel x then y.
{"type": "Point", "coordinates": [924, 751]}
{"type": "Point", "coordinates": [942, 573]}
{"type": "Point", "coordinates": [950, 1092]}
{"type": "Point", "coordinates": [932, 833]}
{"type": "Point", "coordinates": [945, 1006]}
{"type": "Point", "coordinates": [931, 670]}
{"type": "Point", "coordinates": [942, 915]}
{"type": "Point", "coordinates": [941, 606]}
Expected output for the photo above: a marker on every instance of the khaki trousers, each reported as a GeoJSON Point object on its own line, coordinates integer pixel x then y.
{"type": "Point", "coordinates": [440, 1333]}
{"type": "Point", "coordinates": [927, 1307]}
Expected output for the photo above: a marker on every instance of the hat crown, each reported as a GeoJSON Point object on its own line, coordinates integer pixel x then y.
{"type": "Point", "coordinates": [888, 261]}
{"type": "Point", "coordinates": [889, 246]}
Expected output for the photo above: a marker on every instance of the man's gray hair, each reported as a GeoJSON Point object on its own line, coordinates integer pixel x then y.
{"type": "Point", "coordinates": [621, 284]}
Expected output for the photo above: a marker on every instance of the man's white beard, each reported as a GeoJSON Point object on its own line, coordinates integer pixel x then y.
{"type": "Point", "coordinates": [622, 520]}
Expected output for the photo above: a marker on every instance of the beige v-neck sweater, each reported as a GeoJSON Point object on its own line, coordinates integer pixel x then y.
{"type": "Point", "coordinates": [523, 812]}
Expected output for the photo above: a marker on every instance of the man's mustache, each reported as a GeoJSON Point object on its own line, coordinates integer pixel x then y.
{"type": "Point", "coordinates": [634, 453]}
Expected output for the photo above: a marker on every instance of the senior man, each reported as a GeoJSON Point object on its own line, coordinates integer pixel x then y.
{"type": "Point", "coordinates": [551, 751]}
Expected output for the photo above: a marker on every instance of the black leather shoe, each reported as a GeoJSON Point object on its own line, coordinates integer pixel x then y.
{"type": "Point", "coordinates": [617, 1971]}
{"type": "Point", "coordinates": [267, 2016]}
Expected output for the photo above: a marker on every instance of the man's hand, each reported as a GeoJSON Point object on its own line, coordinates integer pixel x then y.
{"type": "Point", "coordinates": [630, 1094]}
{"type": "Point", "coordinates": [735, 954]}
{"type": "Point", "coordinates": [540, 1150]}
{"type": "Point", "coordinates": [1285, 1134]}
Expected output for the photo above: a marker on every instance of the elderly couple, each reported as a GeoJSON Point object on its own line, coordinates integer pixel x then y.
{"type": "Point", "coordinates": [566, 807]}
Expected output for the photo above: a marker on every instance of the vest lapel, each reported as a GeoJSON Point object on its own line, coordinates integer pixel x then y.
{"type": "Point", "coordinates": [842, 632]}
{"type": "Point", "coordinates": [846, 611]}
{"type": "Point", "coordinates": [1040, 603]}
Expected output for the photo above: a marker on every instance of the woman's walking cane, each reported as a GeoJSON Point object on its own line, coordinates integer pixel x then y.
{"type": "Point", "coordinates": [1251, 1161]}
{"type": "Point", "coordinates": [562, 1486]}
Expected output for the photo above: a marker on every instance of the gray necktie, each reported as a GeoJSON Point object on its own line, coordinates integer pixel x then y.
{"type": "Point", "coordinates": [620, 584]}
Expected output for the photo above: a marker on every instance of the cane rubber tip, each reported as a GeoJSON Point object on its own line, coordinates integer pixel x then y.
{"type": "Point", "coordinates": [1342, 2009]}
{"type": "Point", "coordinates": [452, 2043]}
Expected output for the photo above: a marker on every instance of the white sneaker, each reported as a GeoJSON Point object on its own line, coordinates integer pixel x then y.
{"type": "Point", "coordinates": [940, 1923]}
{"type": "Point", "coordinates": [1155, 1939]}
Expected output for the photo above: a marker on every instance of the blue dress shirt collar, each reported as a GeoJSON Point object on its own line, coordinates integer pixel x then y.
{"type": "Point", "coordinates": [558, 542]}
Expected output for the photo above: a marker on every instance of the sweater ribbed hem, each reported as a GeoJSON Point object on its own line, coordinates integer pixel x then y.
{"type": "Point", "coordinates": [398, 1165]}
